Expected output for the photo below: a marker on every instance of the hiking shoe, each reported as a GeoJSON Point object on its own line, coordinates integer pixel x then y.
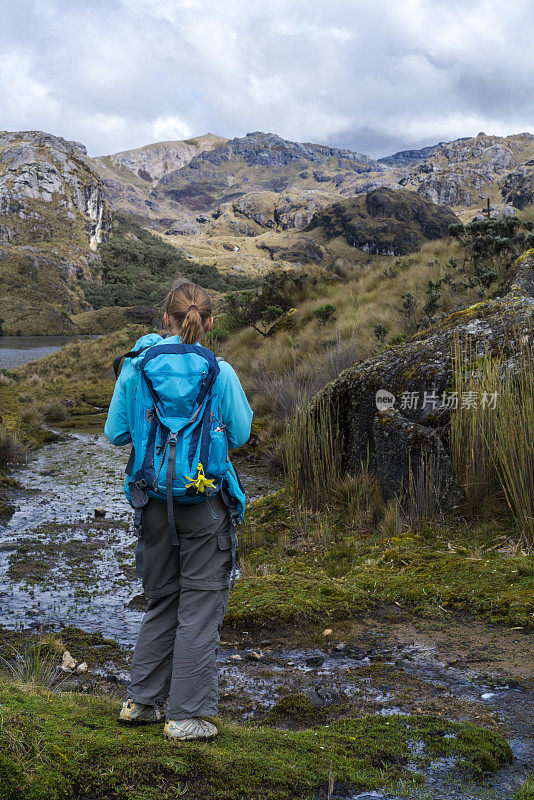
{"type": "Point", "coordinates": [185, 729]}
{"type": "Point", "coordinates": [134, 713]}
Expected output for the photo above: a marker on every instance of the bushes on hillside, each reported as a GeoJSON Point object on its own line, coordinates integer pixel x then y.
{"type": "Point", "coordinates": [490, 245]}
{"type": "Point", "coordinates": [138, 268]}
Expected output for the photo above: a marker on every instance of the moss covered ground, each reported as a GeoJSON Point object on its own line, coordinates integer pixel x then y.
{"type": "Point", "coordinates": [61, 745]}
{"type": "Point", "coordinates": [527, 791]}
{"type": "Point", "coordinates": [323, 569]}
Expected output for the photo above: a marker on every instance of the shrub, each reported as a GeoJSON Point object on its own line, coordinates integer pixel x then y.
{"type": "Point", "coordinates": [138, 268]}
{"type": "Point", "coordinates": [397, 338]}
{"type": "Point", "coordinates": [380, 331]}
{"type": "Point", "coordinates": [490, 245]}
{"type": "Point", "coordinates": [260, 308]}
{"type": "Point", "coordinates": [325, 313]}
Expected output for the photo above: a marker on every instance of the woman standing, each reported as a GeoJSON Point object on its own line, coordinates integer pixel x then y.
{"type": "Point", "coordinates": [186, 583]}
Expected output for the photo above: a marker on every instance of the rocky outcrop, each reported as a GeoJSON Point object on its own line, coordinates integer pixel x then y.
{"type": "Point", "coordinates": [405, 158]}
{"type": "Point", "coordinates": [153, 161]}
{"type": "Point", "coordinates": [182, 228]}
{"type": "Point", "coordinates": [39, 168]}
{"type": "Point", "coordinates": [414, 380]}
{"type": "Point", "coordinates": [261, 162]}
{"type": "Point", "coordinates": [52, 218]}
{"type": "Point", "coordinates": [298, 250]}
{"type": "Point", "coordinates": [385, 221]}
{"type": "Point", "coordinates": [496, 211]}
{"type": "Point", "coordinates": [400, 446]}
{"type": "Point", "coordinates": [518, 186]}
{"type": "Point", "coordinates": [462, 172]}
{"type": "Point", "coordinates": [268, 149]}
{"type": "Point", "coordinates": [256, 212]}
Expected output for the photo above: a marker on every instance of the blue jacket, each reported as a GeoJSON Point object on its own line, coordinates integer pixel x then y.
{"type": "Point", "coordinates": [234, 408]}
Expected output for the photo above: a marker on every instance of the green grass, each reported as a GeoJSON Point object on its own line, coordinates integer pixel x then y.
{"type": "Point", "coordinates": [63, 745]}
{"type": "Point", "coordinates": [527, 791]}
{"type": "Point", "coordinates": [331, 571]}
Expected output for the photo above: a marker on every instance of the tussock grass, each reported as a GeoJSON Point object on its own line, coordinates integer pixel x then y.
{"type": "Point", "coordinates": [55, 411]}
{"type": "Point", "coordinates": [420, 500]}
{"type": "Point", "coordinates": [12, 450]}
{"type": "Point", "coordinates": [37, 663]}
{"type": "Point", "coordinates": [312, 456]}
{"type": "Point", "coordinates": [493, 446]}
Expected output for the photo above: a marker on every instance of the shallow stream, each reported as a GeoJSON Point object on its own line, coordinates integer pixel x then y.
{"type": "Point", "coordinates": [59, 565]}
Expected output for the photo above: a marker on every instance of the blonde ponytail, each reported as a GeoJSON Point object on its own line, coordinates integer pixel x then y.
{"type": "Point", "coordinates": [189, 307]}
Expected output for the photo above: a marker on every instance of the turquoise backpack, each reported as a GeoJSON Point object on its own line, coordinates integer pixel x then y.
{"type": "Point", "coordinates": [180, 450]}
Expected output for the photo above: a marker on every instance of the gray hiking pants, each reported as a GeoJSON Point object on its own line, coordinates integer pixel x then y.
{"type": "Point", "coordinates": [187, 590]}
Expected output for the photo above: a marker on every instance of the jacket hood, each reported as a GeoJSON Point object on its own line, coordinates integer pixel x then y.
{"type": "Point", "coordinates": [145, 341]}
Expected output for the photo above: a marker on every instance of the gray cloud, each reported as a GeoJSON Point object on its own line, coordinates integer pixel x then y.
{"type": "Point", "coordinates": [354, 73]}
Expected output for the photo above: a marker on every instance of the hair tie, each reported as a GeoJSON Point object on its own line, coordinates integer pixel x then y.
{"type": "Point", "coordinates": [193, 306]}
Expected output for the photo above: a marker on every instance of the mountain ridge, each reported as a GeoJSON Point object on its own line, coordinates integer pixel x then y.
{"type": "Point", "coordinates": [244, 205]}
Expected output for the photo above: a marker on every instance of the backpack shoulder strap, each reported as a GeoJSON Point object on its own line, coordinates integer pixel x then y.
{"type": "Point", "coordinates": [131, 354]}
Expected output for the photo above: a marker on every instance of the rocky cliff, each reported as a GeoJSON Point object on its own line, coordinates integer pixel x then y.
{"type": "Point", "coordinates": [245, 189]}
{"type": "Point", "coordinates": [153, 161]}
{"type": "Point", "coordinates": [463, 172]}
{"type": "Point", "coordinates": [52, 217]}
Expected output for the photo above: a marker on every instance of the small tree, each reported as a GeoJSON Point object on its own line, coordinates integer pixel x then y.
{"type": "Point", "coordinates": [380, 331]}
{"type": "Point", "coordinates": [259, 309]}
{"type": "Point", "coordinates": [325, 313]}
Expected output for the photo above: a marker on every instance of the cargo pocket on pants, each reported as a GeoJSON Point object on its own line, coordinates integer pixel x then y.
{"type": "Point", "coordinates": [222, 563]}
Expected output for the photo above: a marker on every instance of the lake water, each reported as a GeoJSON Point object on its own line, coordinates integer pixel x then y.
{"type": "Point", "coordinates": [15, 350]}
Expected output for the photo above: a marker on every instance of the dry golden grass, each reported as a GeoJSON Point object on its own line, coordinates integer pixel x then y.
{"type": "Point", "coordinates": [368, 294]}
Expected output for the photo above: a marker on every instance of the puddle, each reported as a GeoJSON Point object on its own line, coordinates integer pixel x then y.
{"type": "Point", "coordinates": [409, 679]}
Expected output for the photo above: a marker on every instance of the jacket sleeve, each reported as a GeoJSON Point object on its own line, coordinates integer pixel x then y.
{"type": "Point", "coordinates": [235, 411]}
{"type": "Point", "coordinates": [117, 427]}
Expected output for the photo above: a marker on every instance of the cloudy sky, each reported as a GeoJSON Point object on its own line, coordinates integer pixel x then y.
{"type": "Point", "coordinates": [373, 76]}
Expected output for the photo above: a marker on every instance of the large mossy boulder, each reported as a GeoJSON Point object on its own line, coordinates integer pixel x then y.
{"type": "Point", "coordinates": [418, 373]}
{"type": "Point", "coordinates": [385, 221]}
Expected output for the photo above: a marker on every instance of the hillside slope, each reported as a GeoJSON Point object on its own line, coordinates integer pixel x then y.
{"type": "Point", "coordinates": [53, 216]}
{"type": "Point", "coordinates": [129, 177]}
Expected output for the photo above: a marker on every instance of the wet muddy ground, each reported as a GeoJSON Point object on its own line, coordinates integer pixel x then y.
{"type": "Point", "coordinates": [59, 565]}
